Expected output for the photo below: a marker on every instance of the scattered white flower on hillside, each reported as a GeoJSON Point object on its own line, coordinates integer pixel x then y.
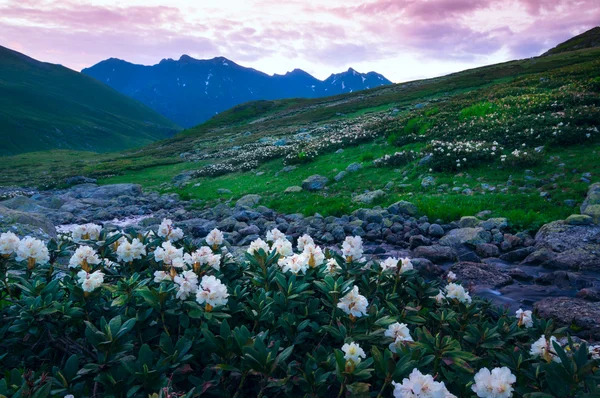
{"type": "Point", "coordinates": [187, 283]}
{"type": "Point", "coordinates": [455, 291]}
{"type": "Point", "coordinates": [167, 231]}
{"type": "Point", "coordinates": [451, 276]}
{"type": "Point", "coordinates": [389, 263]}
{"type": "Point", "coordinates": [203, 256]}
{"type": "Point", "coordinates": [353, 303]}
{"type": "Point", "coordinates": [84, 256]}
{"type": "Point", "coordinates": [305, 240]}
{"type": "Point", "coordinates": [400, 333]}
{"type": "Point", "coordinates": [545, 349]}
{"type": "Point", "coordinates": [525, 318]}
{"type": "Point", "coordinates": [90, 282]}
{"type": "Point", "coordinates": [33, 250]}
{"type": "Point", "coordinates": [295, 263]}
{"type": "Point", "coordinates": [168, 254]}
{"type": "Point", "coordinates": [314, 254]}
{"type": "Point", "coordinates": [212, 292]}
{"type": "Point", "coordinates": [495, 384]}
{"type": "Point", "coordinates": [160, 276]}
{"type": "Point", "coordinates": [127, 251]}
{"type": "Point", "coordinates": [332, 266]}
{"type": "Point", "coordinates": [275, 235]}
{"type": "Point", "coordinates": [86, 232]}
{"type": "Point", "coordinates": [594, 351]}
{"type": "Point", "coordinates": [215, 238]}
{"type": "Point", "coordinates": [283, 247]}
{"type": "Point", "coordinates": [8, 243]}
{"type": "Point", "coordinates": [418, 385]}
{"type": "Point", "coordinates": [353, 352]}
{"type": "Point", "coordinates": [258, 244]}
{"type": "Point", "coordinates": [352, 248]}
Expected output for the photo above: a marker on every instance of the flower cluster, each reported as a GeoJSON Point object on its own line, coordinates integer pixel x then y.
{"type": "Point", "coordinates": [497, 383]}
{"type": "Point", "coordinates": [396, 159]}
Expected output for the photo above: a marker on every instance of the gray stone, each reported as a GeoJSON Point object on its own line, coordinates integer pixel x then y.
{"type": "Point", "coordinates": [223, 191]}
{"type": "Point", "coordinates": [579, 219]}
{"type": "Point", "coordinates": [480, 274]}
{"type": "Point", "coordinates": [517, 255]}
{"type": "Point", "coordinates": [369, 197]}
{"type": "Point", "coordinates": [469, 222]}
{"type": "Point", "coordinates": [436, 230]}
{"type": "Point", "coordinates": [428, 182]}
{"type": "Point", "coordinates": [568, 311]}
{"type": "Point", "coordinates": [576, 246]}
{"type": "Point", "coordinates": [353, 167]}
{"type": "Point", "coordinates": [22, 224]}
{"type": "Point", "coordinates": [339, 176]}
{"type": "Point", "coordinates": [293, 189]}
{"type": "Point", "coordinates": [436, 253]}
{"type": "Point", "coordinates": [487, 250]}
{"type": "Point", "coordinates": [466, 236]}
{"type": "Point", "coordinates": [250, 200]}
{"type": "Point", "coordinates": [80, 180]}
{"type": "Point", "coordinates": [403, 207]}
{"type": "Point", "coordinates": [314, 183]}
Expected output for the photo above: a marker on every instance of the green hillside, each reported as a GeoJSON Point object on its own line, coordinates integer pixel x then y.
{"type": "Point", "coordinates": [45, 106]}
{"type": "Point", "coordinates": [545, 108]}
{"type": "Point", "coordinates": [588, 39]}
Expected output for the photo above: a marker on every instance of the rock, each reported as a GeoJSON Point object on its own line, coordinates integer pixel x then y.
{"type": "Point", "coordinates": [293, 189]}
{"type": "Point", "coordinates": [424, 160]}
{"type": "Point", "coordinates": [353, 167]}
{"type": "Point", "coordinates": [369, 197]}
{"type": "Point", "coordinates": [568, 311]}
{"type": "Point", "coordinates": [428, 182]}
{"type": "Point", "coordinates": [426, 267]}
{"type": "Point", "coordinates": [469, 222]}
{"type": "Point", "coordinates": [339, 151]}
{"type": "Point", "coordinates": [403, 207]}
{"type": "Point", "coordinates": [538, 257]}
{"type": "Point", "coordinates": [339, 176]}
{"type": "Point", "coordinates": [589, 294]}
{"type": "Point", "coordinates": [483, 214]}
{"type": "Point", "coordinates": [517, 255]}
{"type": "Point", "coordinates": [579, 219]}
{"type": "Point", "coordinates": [288, 169]}
{"type": "Point", "coordinates": [223, 191]}
{"type": "Point", "coordinates": [24, 204]}
{"type": "Point", "coordinates": [436, 253]}
{"type": "Point", "coordinates": [592, 198]}
{"type": "Point", "coordinates": [575, 246]}
{"type": "Point", "coordinates": [250, 200]}
{"type": "Point", "coordinates": [314, 183]}
{"type": "Point", "coordinates": [594, 212]}
{"type": "Point", "coordinates": [498, 223]}
{"type": "Point", "coordinates": [418, 240]}
{"type": "Point", "coordinates": [250, 230]}
{"type": "Point", "coordinates": [183, 179]}
{"type": "Point", "coordinates": [480, 274]}
{"type": "Point", "coordinates": [518, 274]}
{"type": "Point", "coordinates": [487, 250]}
{"type": "Point", "coordinates": [369, 215]}
{"type": "Point", "coordinates": [565, 280]}
{"type": "Point", "coordinates": [80, 180]}
{"type": "Point", "coordinates": [23, 224]}
{"type": "Point", "coordinates": [436, 230]}
{"type": "Point", "coordinates": [466, 236]}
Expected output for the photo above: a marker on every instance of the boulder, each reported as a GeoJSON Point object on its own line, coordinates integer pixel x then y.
{"type": "Point", "coordinates": [340, 175]}
{"type": "Point", "coordinates": [353, 167]}
{"type": "Point", "coordinates": [418, 240]}
{"type": "Point", "coordinates": [579, 219]}
{"type": "Point", "coordinates": [293, 189]}
{"type": "Point", "coordinates": [517, 255]}
{"type": "Point", "coordinates": [469, 222]}
{"type": "Point", "coordinates": [24, 204]}
{"type": "Point", "coordinates": [369, 197]}
{"type": "Point", "coordinates": [574, 246]}
{"type": "Point", "coordinates": [314, 183]}
{"type": "Point", "coordinates": [480, 274]}
{"type": "Point", "coordinates": [436, 230]}
{"type": "Point", "coordinates": [23, 224]}
{"type": "Point", "coordinates": [436, 253]}
{"type": "Point", "coordinates": [403, 207]}
{"type": "Point", "coordinates": [570, 311]}
{"type": "Point", "coordinates": [426, 267]}
{"type": "Point", "coordinates": [487, 250]}
{"type": "Point", "coordinates": [593, 211]}
{"type": "Point", "coordinates": [466, 236]}
{"type": "Point", "coordinates": [250, 200]}
{"type": "Point", "coordinates": [76, 180]}
{"type": "Point", "coordinates": [108, 192]}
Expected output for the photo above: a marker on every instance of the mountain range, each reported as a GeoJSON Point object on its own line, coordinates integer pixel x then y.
{"type": "Point", "coordinates": [190, 91]}
{"type": "Point", "coordinates": [47, 106]}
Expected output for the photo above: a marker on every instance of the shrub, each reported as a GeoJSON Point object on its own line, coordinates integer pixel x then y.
{"type": "Point", "coordinates": [367, 157]}
{"type": "Point", "coordinates": [521, 158]}
{"type": "Point", "coordinates": [395, 159]}
{"type": "Point", "coordinates": [135, 315]}
{"type": "Point", "coordinates": [458, 155]}
{"type": "Point", "coordinates": [477, 110]}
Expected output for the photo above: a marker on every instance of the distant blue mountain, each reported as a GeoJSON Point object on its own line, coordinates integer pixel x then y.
{"type": "Point", "coordinates": [190, 91]}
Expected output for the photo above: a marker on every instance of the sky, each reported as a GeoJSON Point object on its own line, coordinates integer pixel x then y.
{"type": "Point", "coordinates": [401, 39]}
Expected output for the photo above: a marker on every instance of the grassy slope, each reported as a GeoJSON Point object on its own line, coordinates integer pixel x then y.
{"type": "Point", "coordinates": [525, 207]}
{"type": "Point", "coordinates": [44, 106]}
{"type": "Point", "coordinates": [588, 39]}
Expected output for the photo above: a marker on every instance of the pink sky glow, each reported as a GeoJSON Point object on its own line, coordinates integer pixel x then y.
{"type": "Point", "coordinates": [402, 39]}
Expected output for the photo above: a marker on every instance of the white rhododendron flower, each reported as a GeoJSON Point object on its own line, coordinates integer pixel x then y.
{"type": "Point", "coordinates": [389, 263]}
{"type": "Point", "coordinates": [168, 254]}
{"type": "Point", "coordinates": [212, 292]}
{"type": "Point", "coordinates": [418, 385]}
{"type": "Point", "coordinates": [332, 266]}
{"type": "Point", "coordinates": [495, 384]}
{"type": "Point", "coordinates": [187, 283]}
{"type": "Point", "coordinates": [353, 352]}
{"type": "Point", "coordinates": [90, 282]}
{"type": "Point", "coordinates": [451, 276]}
{"type": "Point", "coordinates": [440, 298]}
{"type": "Point", "coordinates": [352, 248]}
{"type": "Point", "coordinates": [407, 265]}
{"type": "Point", "coordinates": [305, 240]}
{"type": "Point", "coordinates": [314, 254]}
{"type": "Point", "coordinates": [214, 238]}
{"type": "Point", "coordinates": [167, 231]}
{"type": "Point", "coordinates": [8, 243]}
{"type": "Point", "coordinates": [283, 247]}
{"type": "Point", "coordinates": [203, 256]}
{"type": "Point", "coordinates": [258, 244]}
{"type": "Point", "coordinates": [84, 256]}
{"type": "Point", "coordinates": [86, 232]}
{"type": "Point", "coordinates": [454, 291]}
{"type": "Point", "coordinates": [594, 351]}
{"type": "Point", "coordinates": [295, 263]}
{"type": "Point", "coordinates": [353, 303]}
{"type": "Point", "coordinates": [127, 252]}
{"type": "Point", "coordinates": [524, 318]}
{"type": "Point", "coordinates": [545, 349]}
{"type": "Point", "coordinates": [275, 235]}
{"type": "Point", "coordinates": [160, 276]}
{"type": "Point", "coordinates": [400, 333]}
{"type": "Point", "coordinates": [33, 250]}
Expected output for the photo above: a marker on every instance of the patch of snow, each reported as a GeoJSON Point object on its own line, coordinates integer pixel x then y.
{"type": "Point", "coordinates": [354, 72]}
{"type": "Point", "coordinates": [363, 78]}
{"type": "Point", "coordinates": [343, 86]}
{"type": "Point", "coordinates": [183, 84]}
{"type": "Point", "coordinates": [379, 77]}
{"type": "Point", "coordinates": [108, 79]}
{"type": "Point", "coordinates": [225, 63]}
{"type": "Point", "coordinates": [313, 87]}
{"type": "Point", "coordinates": [351, 90]}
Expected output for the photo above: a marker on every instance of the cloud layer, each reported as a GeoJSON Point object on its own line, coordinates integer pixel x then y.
{"type": "Point", "coordinates": [403, 39]}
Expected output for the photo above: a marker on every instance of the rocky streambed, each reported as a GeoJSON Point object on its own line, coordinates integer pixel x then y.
{"type": "Point", "coordinates": [556, 272]}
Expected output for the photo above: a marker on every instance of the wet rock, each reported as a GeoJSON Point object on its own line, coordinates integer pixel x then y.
{"type": "Point", "coordinates": [250, 200]}
{"type": "Point", "coordinates": [538, 257]}
{"type": "Point", "coordinates": [426, 267]}
{"type": "Point", "coordinates": [369, 197]}
{"type": "Point", "coordinates": [466, 236]}
{"type": "Point", "coordinates": [589, 294]}
{"type": "Point", "coordinates": [314, 183]}
{"type": "Point", "coordinates": [111, 191]}
{"type": "Point", "coordinates": [565, 280]}
{"type": "Point", "coordinates": [575, 246]}
{"type": "Point", "coordinates": [403, 207]}
{"type": "Point", "coordinates": [418, 240]}
{"type": "Point", "coordinates": [480, 274]}
{"type": "Point", "coordinates": [518, 274]}
{"type": "Point", "coordinates": [568, 311]}
{"type": "Point", "coordinates": [487, 250]}
{"type": "Point", "coordinates": [435, 230]}
{"type": "Point", "coordinates": [436, 253]}
{"type": "Point", "coordinates": [517, 255]}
